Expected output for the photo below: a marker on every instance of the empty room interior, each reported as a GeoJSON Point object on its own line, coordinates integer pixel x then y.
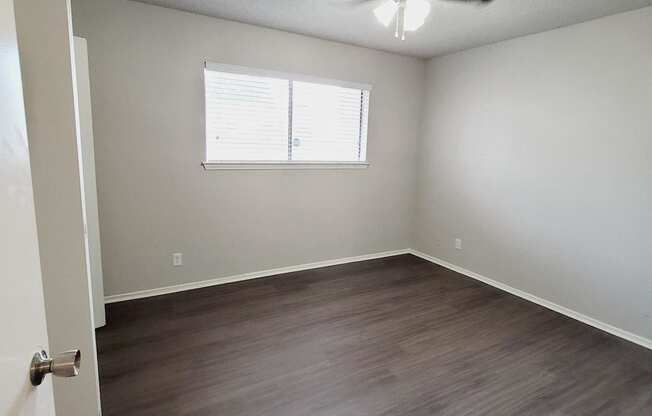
{"type": "Point", "coordinates": [336, 207]}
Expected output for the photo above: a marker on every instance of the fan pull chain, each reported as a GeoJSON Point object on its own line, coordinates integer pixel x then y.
{"type": "Point", "coordinates": [397, 25]}
{"type": "Point", "coordinates": [400, 20]}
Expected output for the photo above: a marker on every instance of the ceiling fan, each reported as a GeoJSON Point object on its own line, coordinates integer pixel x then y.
{"type": "Point", "coordinates": [409, 15]}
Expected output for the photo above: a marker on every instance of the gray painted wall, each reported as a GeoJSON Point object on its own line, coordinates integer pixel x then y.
{"type": "Point", "coordinates": [155, 199]}
{"type": "Point", "coordinates": [537, 152]}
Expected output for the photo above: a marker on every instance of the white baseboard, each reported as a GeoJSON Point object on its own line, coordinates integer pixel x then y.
{"type": "Point", "coordinates": [248, 276]}
{"type": "Point", "coordinates": [644, 342]}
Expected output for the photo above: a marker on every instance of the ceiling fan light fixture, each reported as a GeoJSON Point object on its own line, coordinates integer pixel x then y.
{"type": "Point", "coordinates": [386, 11]}
{"type": "Point", "coordinates": [416, 12]}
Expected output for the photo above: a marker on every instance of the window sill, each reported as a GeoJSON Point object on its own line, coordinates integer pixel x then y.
{"type": "Point", "coordinates": [236, 165]}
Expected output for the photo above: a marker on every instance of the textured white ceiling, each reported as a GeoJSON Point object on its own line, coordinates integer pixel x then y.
{"type": "Point", "coordinates": [450, 26]}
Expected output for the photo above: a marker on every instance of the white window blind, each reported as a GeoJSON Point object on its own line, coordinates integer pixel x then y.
{"type": "Point", "coordinates": [328, 122]}
{"type": "Point", "coordinates": [246, 117]}
{"type": "Point", "coordinates": [261, 116]}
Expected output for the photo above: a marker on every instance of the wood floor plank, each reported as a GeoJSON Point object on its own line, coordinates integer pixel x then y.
{"type": "Point", "coordinates": [394, 336]}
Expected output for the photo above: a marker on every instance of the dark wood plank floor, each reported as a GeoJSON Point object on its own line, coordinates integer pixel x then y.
{"type": "Point", "coordinates": [396, 336]}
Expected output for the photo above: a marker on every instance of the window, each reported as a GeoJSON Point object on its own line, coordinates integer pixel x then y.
{"type": "Point", "coordinates": [263, 118]}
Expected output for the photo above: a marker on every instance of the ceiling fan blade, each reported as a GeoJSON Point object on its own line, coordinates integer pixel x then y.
{"type": "Point", "coordinates": [351, 4]}
{"type": "Point", "coordinates": [481, 2]}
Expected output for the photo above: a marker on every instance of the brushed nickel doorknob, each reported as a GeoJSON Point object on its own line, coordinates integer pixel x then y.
{"type": "Point", "coordinates": [65, 364]}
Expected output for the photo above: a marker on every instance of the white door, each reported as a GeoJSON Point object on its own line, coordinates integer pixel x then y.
{"type": "Point", "coordinates": [22, 315]}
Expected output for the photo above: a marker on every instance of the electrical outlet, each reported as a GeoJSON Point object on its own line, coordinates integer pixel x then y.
{"type": "Point", "coordinates": [177, 259]}
{"type": "Point", "coordinates": [458, 243]}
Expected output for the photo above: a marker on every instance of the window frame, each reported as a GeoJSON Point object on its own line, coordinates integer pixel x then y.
{"type": "Point", "coordinates": [281, 164]}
